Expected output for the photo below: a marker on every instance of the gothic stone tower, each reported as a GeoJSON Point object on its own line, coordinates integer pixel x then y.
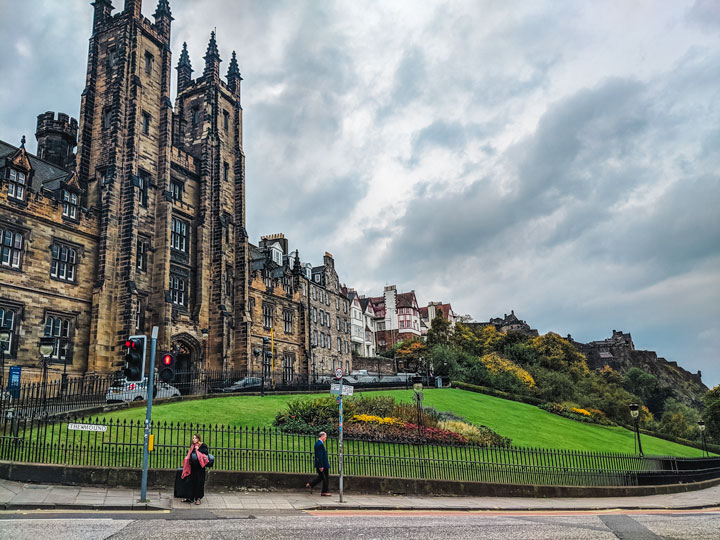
{"type": "Point", "coordinates": [207, 126]}
{"type": "Point", "coordinates": [168, 189]}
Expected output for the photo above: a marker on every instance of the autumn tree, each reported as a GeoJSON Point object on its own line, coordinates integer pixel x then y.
{"type": "Point", "coordinates": [414, 355]}
{"type": "Point", "coordinates": [556, 353]}
{"type": "Point", "coordinates": [439, 332]}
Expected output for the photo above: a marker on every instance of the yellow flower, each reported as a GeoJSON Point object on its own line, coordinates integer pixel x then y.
{"type": "Point", "coordinates": [581, 411]}
{"type": "Point", "coordinates": [497, 364]}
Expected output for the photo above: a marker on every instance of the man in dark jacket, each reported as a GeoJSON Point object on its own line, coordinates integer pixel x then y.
{"type": "Point", "coordinates": [322, 466]}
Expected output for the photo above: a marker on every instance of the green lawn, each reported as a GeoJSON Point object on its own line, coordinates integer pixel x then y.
{"type": "Point", "coordinates": [525, 424]}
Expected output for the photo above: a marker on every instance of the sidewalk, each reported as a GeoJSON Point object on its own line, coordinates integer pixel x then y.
{"type": "Point", "coordinates": [20, 496]}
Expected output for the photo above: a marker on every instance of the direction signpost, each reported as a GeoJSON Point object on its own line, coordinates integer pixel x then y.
{"type": "Point", "coordinates": [340, 391]}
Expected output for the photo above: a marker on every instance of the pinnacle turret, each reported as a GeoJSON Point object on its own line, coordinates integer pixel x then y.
{"type": "Point", "coordinates": [163, 9]}
{"type": "Point", "coordinates": [184, 70]}
{"type": "Point", "coordinates": [212, 58]}
{"type": "Point", "coordinates": [233, 75]}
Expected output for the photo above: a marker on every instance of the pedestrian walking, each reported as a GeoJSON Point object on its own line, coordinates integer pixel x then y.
{"type": "Point", "coordinates": [194, 466]}
{"type": "Point", "coordinates": [322, 466]}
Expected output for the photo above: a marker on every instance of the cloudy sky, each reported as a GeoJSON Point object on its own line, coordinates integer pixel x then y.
{"type": "Point", "coordinates": [555, 158]}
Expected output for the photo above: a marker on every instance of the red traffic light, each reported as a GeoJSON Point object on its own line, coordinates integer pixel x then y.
{"type": "Point", "coordinates": [167, 359]}
{"type": "Point", "coordinates": [130, 344]}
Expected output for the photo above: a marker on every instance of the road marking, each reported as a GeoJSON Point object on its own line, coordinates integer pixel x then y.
{"type": "Point", "coordinates": [78, 511]}
{"type": "Point", "coordinates": [490, 512]}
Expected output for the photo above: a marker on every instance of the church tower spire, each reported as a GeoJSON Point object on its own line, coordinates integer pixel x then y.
{"type": "Point", "coordinates": [212, 59]}
{"type": "Point", "coordinates": [184, 69]}
{"type": "Point", "coordinates": [233, 75]}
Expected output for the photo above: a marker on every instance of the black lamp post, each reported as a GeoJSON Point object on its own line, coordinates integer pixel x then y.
{"type": "Point", "coordinates": [635, 412]}
{"type": "Point", "coordinates": [701, 427]}
{"type": "Point", "coordinates": [46, 345]}
{"type": "Point", "coordinates": [4, 338]}
{"type": "Point", "coordinates": [266, 342]}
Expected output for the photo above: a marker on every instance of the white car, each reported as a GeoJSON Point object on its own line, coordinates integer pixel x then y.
{"type": "Point", "coordinates": [123, 390]}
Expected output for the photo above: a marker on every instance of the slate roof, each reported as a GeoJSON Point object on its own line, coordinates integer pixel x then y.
{"type": "Point", "coordinates": [45, 174]}
{"type": "Point", "coordinates": [406, 299]}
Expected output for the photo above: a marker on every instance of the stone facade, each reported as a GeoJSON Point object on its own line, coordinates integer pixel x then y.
{"type": "Point", "coordinates": [47, 260]}
{"type": "Point", "coordinates": [151, 210]}
{"type": "Point", "coordinates": [159, 232]}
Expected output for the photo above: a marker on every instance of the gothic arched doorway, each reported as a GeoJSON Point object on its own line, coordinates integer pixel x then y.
{"type": "Point", "coordinates": [189, 359]}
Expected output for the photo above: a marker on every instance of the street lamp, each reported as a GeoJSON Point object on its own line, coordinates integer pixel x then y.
{"type": "Point", "coordinates": [701, 427]}
{"type": "Point", "coordinates": [46, 345]}
{"type": "Point", "coordinates": [4, 338]}
{"type": "Point", "coordinates": [635, 412]}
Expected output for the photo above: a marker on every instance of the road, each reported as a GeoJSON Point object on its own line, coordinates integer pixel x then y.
{"type": "Point", "coordinates": [364, 525]}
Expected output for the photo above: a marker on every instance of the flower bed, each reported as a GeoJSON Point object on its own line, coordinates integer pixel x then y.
{"type": "Point", "coordinates": [593, 416]}
{"type": "Point", "coordinates": [380, 418]}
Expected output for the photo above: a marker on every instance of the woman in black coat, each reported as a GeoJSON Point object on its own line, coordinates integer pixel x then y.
{"type": "Point", "coordinates": [194, 465]}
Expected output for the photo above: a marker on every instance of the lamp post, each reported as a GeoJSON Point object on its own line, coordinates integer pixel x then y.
{"type": "Point", "coordinates": [635, 412]}
{"type": "Point", "coordinates": [4, 338]}
{"type": "Point", "coordinates": [46, 346]}
{"type": "Point", "coordinates": [64, 379]}
{"type": "Point", "coordinates": [701, 427]}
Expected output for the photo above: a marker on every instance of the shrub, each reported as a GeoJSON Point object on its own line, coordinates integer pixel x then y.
{"type": "Point", "coordinates": [483, 436]}
{"type": "Point", "coordinates": [569, 410]}
{"type": "Point", "coordinates": [497, 365]}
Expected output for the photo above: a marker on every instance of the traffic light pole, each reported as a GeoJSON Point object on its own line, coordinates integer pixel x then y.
{"type": "Point", "coordinates": [148, 416]}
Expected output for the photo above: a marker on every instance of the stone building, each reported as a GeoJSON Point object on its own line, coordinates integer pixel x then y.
{"type": "Point", "coordinates": [507, 323]}
{"type": "Point", "coordinates": [397, 317]}
{"type": "Point", "coordinates": [433, 309]}
{"type": "Point", "coordinates": [329, 320]}
{"type": "Point", "coordinates": [48, 242]}
{"type": "Point", "coordinates": [302, 310]}
{"type": "Point", "coordinates": [146, 225]}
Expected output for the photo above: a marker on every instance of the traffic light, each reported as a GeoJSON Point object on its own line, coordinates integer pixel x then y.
{"type": "Point", "coordinates": [135, 358]}
{"type": "Point", "coordinates": [167, 367]}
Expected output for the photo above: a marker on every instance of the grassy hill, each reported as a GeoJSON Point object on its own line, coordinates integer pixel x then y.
{"type": "Point", "coordinates": [525, 424]}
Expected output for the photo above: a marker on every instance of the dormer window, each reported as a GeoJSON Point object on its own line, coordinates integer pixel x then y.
{"type": "Point", "coordinates": [16, 187]}
{"type": "Point", "coordinates": [70, 204]}
{"type": "Point", "coordinates": [277, 255]}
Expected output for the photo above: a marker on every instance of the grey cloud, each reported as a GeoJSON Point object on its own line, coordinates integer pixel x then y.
{"type": "Point", "coordinates": [705, 14]}
{"type": "Point", "coordinates": [409, 83]}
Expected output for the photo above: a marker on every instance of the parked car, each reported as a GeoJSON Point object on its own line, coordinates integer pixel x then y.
{"type": "Point", "coordinates": [123, 390]}
{"type": "Point", "coordinates": [246, 382]}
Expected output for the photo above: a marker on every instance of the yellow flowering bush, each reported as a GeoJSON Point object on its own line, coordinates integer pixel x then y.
{"type": "Point", "coordinates": [473, 434]}
{"type": "Point", "coordinates": [581, 411]}
{"type": "Point", "coordinates": [496, 364]}
{"type": "Point", "coordinates": [371, 419]}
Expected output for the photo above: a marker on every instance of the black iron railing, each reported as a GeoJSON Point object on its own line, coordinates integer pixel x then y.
{"type": "Point", "coordinates": [37, 400]}
{"type": "Point", "coordinates": [112, 443]}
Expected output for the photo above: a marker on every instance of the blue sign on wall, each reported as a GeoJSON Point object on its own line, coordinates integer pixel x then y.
{"type": "Point", "coordinates": [14, 381]}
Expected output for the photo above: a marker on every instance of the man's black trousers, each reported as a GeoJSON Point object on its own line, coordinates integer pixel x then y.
{"type": "Point", "coordinates": [324, 477]}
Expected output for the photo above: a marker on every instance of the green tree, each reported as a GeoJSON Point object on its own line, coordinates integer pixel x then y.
{"type": "Point", "coordinates": [440, 331]}
{"type": "Point", "coordinates": [556, 353]}
{"type": "Point", "coordinates": [711, 415]}
{"type": "Point", "coordinates": [466, 340]}
{"type": "Point", "coordinates": [444, 360]}
{"type": "Point", "coordinates": [679, 420]}
{"type": "Point", "coordinates": [640, 383]}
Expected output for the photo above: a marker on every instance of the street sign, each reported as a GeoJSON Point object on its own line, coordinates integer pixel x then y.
{"type": "Point", "coordinates": [417, 387]}
{"type": "Point", "coordinates": [14, 381]}
{"type": "Point", "coordinates": [338, 373]}
{"type": "Point", "coordinates": [87, 427]}
{"type": "Point", "coordinates": [347, 390]}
